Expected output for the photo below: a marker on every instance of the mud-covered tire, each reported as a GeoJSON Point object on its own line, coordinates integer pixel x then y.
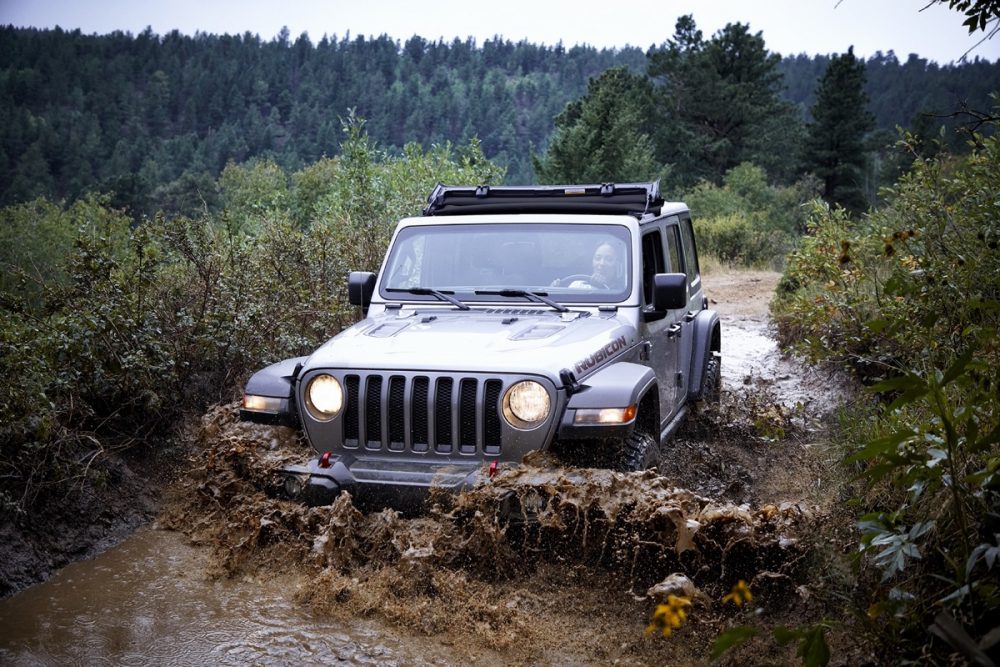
{"type": "Point", "coordinates": [711, 383]}
{"type": "Point", "coordinates": [639, 451]}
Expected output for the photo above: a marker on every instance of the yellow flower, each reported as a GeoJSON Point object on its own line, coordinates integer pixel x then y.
{"type": "Point", "coordinates": [669, 616]}
{"type": "Point", "coordinates": [740, 594]}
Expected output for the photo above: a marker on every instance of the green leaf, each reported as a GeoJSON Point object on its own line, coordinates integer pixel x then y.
{"type": "Point", "coordinates": [908, 397]}
{"type": "Point", "coordinates": [875, 473]}
{"type": "Point", "coordinates": [813, 649]}
{"type": "Point", "coordinates": [732, 638]}
{"type": "Point", "coordinates": [990, 438]}
{"type": "Point", "coordinates": [882, 446]}
{"type": "Point", "coordinates": [784, 635]}
{"type": "Point", "coordinates": [907, 381]}
{"type": "Point", "coordinates": [957, 368]}
{"type": "Point", "coordinates": [877, 326]}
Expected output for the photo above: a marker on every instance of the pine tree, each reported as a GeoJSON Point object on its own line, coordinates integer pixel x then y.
{"type": "Point", "coordinates": [720, 105]}
{"type": "Point", "coordinates": [834, 149]}
{"type": "Point", "coordinates": [601, 137]}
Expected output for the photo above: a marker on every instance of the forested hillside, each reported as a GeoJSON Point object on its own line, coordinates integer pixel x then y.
{"type": "Point", "coordinates": [152, 117]}
{"type": "Point", "coordinates": [81, 111]}
{"type": "Point", "coordinates": [899, 92]}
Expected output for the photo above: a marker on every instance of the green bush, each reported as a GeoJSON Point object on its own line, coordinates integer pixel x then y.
{"type": "Point", "coordinates": [901, 286]}
{"type": "Point", "coordinates": [113, 333]}
{"type": "Point", "coordinates": [746, 221]}
{"type": "Point", "coordinates": [908, 297]}
{"type": "Point", "coordinates": [740, 239]}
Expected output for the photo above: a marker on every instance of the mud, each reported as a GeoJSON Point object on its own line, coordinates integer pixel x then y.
{"type": "Point", "coordinates": [78, 519]}
{"type": "Point", "coordinates": [469, 568]}
{"type": "Point", "coordinates": [542, 564]}
{"type": "Point", "coordinates": [764, 442]}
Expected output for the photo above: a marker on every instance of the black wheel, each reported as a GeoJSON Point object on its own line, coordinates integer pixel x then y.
{"type": "Point", "coordinates": [711, 383]}
{"type": "Point", "coordinates": [639, 451]}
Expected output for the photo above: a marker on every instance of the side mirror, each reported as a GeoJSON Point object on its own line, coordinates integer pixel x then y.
{"type": "Point", "coordinates": [670, 291]}
{"type": "Point", "coordinates": [360, 287]}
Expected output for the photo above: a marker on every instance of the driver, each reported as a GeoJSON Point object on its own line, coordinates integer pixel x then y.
{"type": "Point", "coordinates": [605, 269]}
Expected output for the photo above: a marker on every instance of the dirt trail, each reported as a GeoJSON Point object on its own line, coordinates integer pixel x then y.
{"type": "Point", "coordinates": [760, 445]}
{"type": "Point", "coordinates": [740, 496]}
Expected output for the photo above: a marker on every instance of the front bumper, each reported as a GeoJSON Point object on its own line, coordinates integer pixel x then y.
{"type": "Point", "coordinates": [378, 482]}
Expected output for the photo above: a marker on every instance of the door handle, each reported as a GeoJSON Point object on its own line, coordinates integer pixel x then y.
{"type": "Point", "coordinates": [674, 330]}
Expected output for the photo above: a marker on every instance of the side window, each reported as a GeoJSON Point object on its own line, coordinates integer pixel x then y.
{"type": "Point", "coordinates": [690, 255]}
{"type": "Point", "coordinates": [652, 262]}
{"type": "Point", "coordinates": [674, 249]}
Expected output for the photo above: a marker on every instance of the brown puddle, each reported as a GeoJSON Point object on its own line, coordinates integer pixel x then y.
{"type": "Point", "coordinates": [148, 601]}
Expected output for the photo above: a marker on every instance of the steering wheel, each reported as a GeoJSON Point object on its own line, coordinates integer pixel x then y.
{"type": "Point", "coordinates": [568, 280]}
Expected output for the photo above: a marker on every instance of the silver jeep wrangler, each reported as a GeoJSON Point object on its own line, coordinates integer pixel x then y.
{"type": "Point", "coordinates": [504, 320]}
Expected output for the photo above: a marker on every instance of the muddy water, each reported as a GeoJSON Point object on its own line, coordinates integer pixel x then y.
{"type": "Point", "coordinates": [148, 602]}
{"type": "Point", "coordinates": [751, 358]}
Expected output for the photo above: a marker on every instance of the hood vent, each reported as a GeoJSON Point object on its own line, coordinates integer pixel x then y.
{"type": "Point", "coordinates": [388, 329]}
{"type": "Point", "coordinates": [571, 315]}
{"type": "Point", "coordinates": [538, 331]}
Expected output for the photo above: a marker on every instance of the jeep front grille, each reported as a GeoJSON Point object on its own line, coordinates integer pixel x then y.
{"type": "Point", "coordinates": [422, 413]}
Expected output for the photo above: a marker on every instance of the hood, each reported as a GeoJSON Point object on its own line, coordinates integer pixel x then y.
{"type": "Point", "coordinates": [489, 340]}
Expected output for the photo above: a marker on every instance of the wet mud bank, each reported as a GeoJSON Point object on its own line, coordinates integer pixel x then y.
{"type": "Point", "coordinates": [78, 520]}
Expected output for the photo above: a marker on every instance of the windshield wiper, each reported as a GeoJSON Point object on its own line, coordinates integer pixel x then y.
{"type": "Point", "coordinates": [427, 291]}
{"type": "Point", "coordinates": [539, 297]}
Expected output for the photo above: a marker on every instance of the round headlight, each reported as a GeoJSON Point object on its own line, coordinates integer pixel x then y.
{"type": "Point", "coordinates": [526, 404]}
{"type": "Point", "coordinates": [324, 397]}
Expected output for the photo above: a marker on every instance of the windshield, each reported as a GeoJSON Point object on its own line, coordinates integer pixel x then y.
{"type": "Point", "coordinates": [565, 262]}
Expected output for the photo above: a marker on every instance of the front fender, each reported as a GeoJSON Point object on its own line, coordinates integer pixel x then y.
{"type": "Point", "coordinates": [615, 386]}
{"type": "Point", "coordinates": [269, 397]}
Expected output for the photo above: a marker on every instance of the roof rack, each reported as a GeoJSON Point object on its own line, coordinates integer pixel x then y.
{"type": "Point", "coordinates": [635, 199]}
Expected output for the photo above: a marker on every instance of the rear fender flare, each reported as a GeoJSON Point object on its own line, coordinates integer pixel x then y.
{"type": "Point", "coordinates": [707, 339]}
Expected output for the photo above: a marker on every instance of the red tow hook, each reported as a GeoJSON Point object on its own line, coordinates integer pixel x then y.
{"type": "Point", "coordinates": [493, 467]}
{"type": "Point", "coordinates": [324, 461]}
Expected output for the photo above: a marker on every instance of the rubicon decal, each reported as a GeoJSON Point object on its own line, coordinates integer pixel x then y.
{"type": "Point", "coordinates": [601, 355]}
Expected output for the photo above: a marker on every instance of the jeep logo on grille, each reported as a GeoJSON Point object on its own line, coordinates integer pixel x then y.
{"type": "Point", "coordinates": [599, 356]}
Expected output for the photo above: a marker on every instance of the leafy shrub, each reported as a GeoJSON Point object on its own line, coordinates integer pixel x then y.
{"type": "Point", "coordinates": [902, 285]}
{"type": "Point", "coordinates": [739, 239]}
{"type": "Point", "coordinates": [112, 332]}
{"type": "Point", "coordinates": [908, 297]}
{"type": "Point", "coordinates": [746, 221]}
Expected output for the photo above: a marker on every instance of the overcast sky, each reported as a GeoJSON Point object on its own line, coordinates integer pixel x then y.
{"type": "Point", "coordinates": [789, 26]}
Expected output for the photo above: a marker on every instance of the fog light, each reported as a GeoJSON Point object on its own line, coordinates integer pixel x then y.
{"type": "Point", "coordinates": [261, 403]}
{"type": "Point", "coordinates": [294, 485]}
{"type": "Point", "coordinates": [605, 415]}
